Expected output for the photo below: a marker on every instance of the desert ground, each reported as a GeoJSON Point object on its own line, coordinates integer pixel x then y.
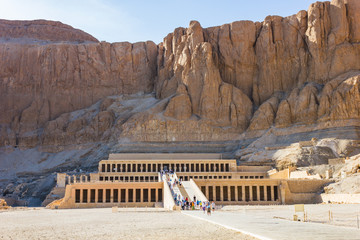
{"type": "Point", "coordinates": [41, 223]}
{"type": "Point", "coordinates": [230, 222]}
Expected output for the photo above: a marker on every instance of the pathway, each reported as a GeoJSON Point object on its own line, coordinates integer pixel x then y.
{"type": "Point", "coordinates": [256, 225]}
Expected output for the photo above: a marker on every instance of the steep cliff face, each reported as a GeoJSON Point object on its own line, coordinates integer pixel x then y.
{"type": "Point", "coordinates": [282, 68]}
{"type": "Point", "coordinates": [215, 83]}
{"type": "Point", "coordinates": [275, 55]}
{"type": "Point", "coordinates": [41, 82]}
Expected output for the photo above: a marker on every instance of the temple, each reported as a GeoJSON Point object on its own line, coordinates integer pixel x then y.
{"type": "Point", "coordinates": [142, 180]}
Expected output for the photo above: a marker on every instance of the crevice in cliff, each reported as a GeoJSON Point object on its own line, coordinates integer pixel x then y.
{"type": "Point", "coordinates": [272, 32]}
{"type": "Point", "coordinates": [257, 35]}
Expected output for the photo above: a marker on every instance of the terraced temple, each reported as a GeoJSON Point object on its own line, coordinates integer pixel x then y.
{"type": "Point", "coordinates": [144, 180]}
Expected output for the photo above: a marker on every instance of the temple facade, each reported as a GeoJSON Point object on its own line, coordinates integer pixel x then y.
{"type": "Point", "coordinates": [142, 180]}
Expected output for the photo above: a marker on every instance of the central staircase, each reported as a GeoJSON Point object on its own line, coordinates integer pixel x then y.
{"type": "Point", "coordinates": [187, 189]}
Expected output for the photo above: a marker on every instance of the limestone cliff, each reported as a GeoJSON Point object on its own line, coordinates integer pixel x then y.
{"type": "Point", "coordinates": [68, 99]}
{"type": "Point", "coordinates": [217, 82]}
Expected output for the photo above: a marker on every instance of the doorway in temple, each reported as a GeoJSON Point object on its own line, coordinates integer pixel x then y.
{"type": "Point", "coordinates": [166, 167]}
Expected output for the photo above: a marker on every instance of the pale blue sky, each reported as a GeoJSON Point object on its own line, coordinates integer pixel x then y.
{"type": "Point", "coordinates": [133, 21]}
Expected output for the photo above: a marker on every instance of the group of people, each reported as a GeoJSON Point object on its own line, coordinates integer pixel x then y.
{"type": "Point", "coordinates": [185, 203]}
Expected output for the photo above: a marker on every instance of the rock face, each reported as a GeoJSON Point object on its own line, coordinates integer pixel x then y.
{"type": "Point", "coordinates": [66, 100]}
{"type": "Point", "coordinates": [214, 83]}
{"type": "Point", "coordinates": [40, 82]}
{"type": "Point", "coordinates": [294, 56]}
{"type": "Point", "coordinates": [42, 30]}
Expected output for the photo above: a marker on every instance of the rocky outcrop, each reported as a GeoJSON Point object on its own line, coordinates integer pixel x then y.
{"type": "Point", "coordinates": [337, 100]}
{"type": "Point", "coordinates": [179, 106]}
{"type": "Point", "coordinates": [236, 78]}
{"type": "Point", "coordinates": [43, 30]}
{"type": "Point", "coordinates": [294, 55]}
{"type": "Point", "coordinates": [41, 82]}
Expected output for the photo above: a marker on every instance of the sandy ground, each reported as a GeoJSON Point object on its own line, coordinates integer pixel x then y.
{"type": "Point", "coordinates": [151, 223]}
{"type": "Point", "coordinates": [344, 215]}
{"type": "Point", "coordinates": [40, 223]}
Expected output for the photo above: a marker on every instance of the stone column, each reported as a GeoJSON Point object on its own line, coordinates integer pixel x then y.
{"type": "Point", "coordinates": [141, 195]}
{"type": "Point", "coordinates": [236, 194]}
{"type": "Point", "coordinates": [243, 192]}
{"type": "Point", "coordinates": [272, 193]}
{"type": "Point", "coordinates": [251, 193]}
{"type": "Point", "coordinates": [258, 192]}
{"type": "Point", "coordinates": [162, 167]}
{"type": "Point", "coordinates": [96, 195]}
{"type": "Point", "coordinates": [156, 195]}
{"type": "Point", "coordinates": [88, 195]}
{"type": "Point", "coordinates": [126, 195]}
{"type": "Point", "coordinates": [104, 195]}
{"type": "Point", "coordinates": [265, 193]}
{"type": "Point", "coordinates": [229, 193]}
{"type": "Point", "coordinates": [81, 195]}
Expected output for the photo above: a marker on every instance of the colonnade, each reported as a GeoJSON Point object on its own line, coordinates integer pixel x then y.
{"type": "Point", "coordinates": [118, 195]}
{"type": "Point", "coordinates": [188, 177]}
{"type": "Point", "coordinates": [130, 178]}
{"type": "Point", "coordinates": [156, 167]}
{"type": "Point", "coordinates": [241, 193]}
{"type": "Point", "coordinates": [77, 179]}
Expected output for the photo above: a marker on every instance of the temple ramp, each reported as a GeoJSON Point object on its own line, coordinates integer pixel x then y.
{"type": "Point", "coordinates": [193, 190]}
{"type": "Point", "coordinates": [183, 191]}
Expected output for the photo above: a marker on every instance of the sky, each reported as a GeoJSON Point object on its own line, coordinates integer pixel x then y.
{"type": "Point", "coordinates": [142, 20]}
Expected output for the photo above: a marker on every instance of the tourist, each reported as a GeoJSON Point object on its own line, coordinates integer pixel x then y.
{"type": "Point", "coordinates": [204, 208]}
{"type": "Point", "coordinates": [213, 206]}
{"type": "Point", "coordinates": [194, 198]}
{"type": "Point", "coordinates": [208, 210]}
